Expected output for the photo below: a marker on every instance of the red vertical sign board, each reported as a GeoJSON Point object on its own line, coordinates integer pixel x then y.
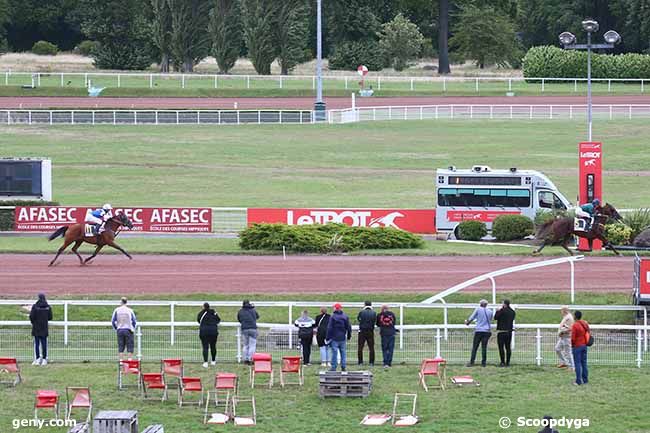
{"type": "Point", "coordinates": [644, 278]}
{"type": "Point", "coordinates": [590, 157]}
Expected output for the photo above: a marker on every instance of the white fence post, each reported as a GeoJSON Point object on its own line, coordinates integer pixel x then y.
{"type": "Point", "coordinates": [65, 323]}
{"type": "Point", "coordinates": [151, 81]}
{"type": "Point", "coordinates": [539, 346]}
{"type": "Point", "coordinates": [51, 120]}
{"type": "Point", "coordinates": [346, 82]}
{"type": "Point", "coordinates": [509, 84]}
{"type": "Point", "coordinates": [239, 344]}
{"type": "Point", "coordinates": [610, 112]}
{"type": "Point", "coordinates": [645, 329]}
{"type": "Point", "coordinates": [401, 326]}
{"type": "Point", "coordinates": [476, 84]}
{"type": "Point", "coordinates": [215, 80]}
{"type": "Point", "coordinates": [290, 323]}
{"type": "Point", "coordinates": [114, 118]}
{"type": "Point", "coordinates": [575, 85]}
{"type": "Point", "coordinates": [411, 84]}
{"type": "Point", "coordinates": [629, 112]}
{"type": "Point", "coordinates": [171, 320]}
{"type": "Point", "coordinates": [437, 342]}
{"type": "Point", "coordinates": [609, 85]}
{"type": "Point", "coordinates": [639, 354]}
{"type": "Point", "coordinates": [445, 318]}
{"type": "Point", "coordinates": [6, 78]}
{"type": "Point", "coordinates": [280, 81]}
{"type": "Point", "coordinates": [138, 336]}
{"type": "Point", "coordinates": [61, 82]}
{"type": "Point", "coordinates": [29, 117]}
{"type": "Point", "coordinates": [119, 80]}
{"type": "Point", "coordinates": [93, 117]}
{"type": "Point", "coordinates": [248, 81]}
{"type": "Point", "coordinates": [444, 84]}
{"type": "Point", "coordinates": [542, 85]}
{"type": "Point", "coordinates": [182, 81]}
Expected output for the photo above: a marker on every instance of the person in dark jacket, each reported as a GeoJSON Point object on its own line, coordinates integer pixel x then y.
{"type": "Point", "coordinates": [40, 315]}
{"type": "Point", "coordinates": [305, 325]}
{"type": "Point", "coordinates": [338, 331]}
{"type": "Point", "coordinates": [505, 317]}
{"type": "Point", "coordinates": [208, 333]}
{"type": "Point", "coordinates": [247, 317]}
{"type": "Point", "coordinates": [386, 323]}
{"type": "Point", "coordinates": [366, 319]}
{"type": "Point", "coordinates": [321, 331]}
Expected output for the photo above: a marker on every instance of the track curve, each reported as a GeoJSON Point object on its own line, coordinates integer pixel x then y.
{"type": "Point", "coordinates": [26, 274]}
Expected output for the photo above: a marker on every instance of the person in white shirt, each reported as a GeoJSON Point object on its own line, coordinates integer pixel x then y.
{"type": "Point", "coordinates": [563, 345]}
{"type": "Point", "coordinates": [124, 323]}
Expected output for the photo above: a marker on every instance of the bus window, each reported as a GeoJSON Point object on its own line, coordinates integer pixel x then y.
{"type": "Point", "coordinates": [467, 197]}
{"type": "Point", "coordinates": [548, 200]}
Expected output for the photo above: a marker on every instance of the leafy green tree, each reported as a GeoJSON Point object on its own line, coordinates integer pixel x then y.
{"type": "Point", "coordinates": [400, 41]}
{"type": "Point", "coordinates": [350, 20]}
{"type": "Point", "coordinates": [485, 35]}
{"type": "Point", "coordinates": [226, 33]}
{"type": "Point", "coordinates": [259, 21]}
{"type": "Point", "coordinates": [189, 40]}
{"type": "Point", "coordinates": [291, 33]}
{"type": "Point", "coordinates": [160, 28]}
{"type": "Point", "coordinates": [4, 19]}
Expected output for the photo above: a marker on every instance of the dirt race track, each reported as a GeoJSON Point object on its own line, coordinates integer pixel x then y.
{"type": "Point", "coordinates": [25, 275]}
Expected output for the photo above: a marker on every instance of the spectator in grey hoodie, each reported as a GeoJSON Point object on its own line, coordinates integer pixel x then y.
{"type": "Point", "coordinates": [40, 315]}
{"type": "Point", "coordinates": [124, 323]}
{"type": "Point", "coordinates": [247, 317]}
{"type": "Point", "coordinates": [482, 332]}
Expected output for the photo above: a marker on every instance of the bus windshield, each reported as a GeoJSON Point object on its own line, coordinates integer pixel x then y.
{"type": "Point", "coordinates": [483, 197]}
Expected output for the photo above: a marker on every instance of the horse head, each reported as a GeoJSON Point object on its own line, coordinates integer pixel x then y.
{"type": "Point", "coordinates": [123, 220]}
{"type": "Point", "coordinates": [611, 212]}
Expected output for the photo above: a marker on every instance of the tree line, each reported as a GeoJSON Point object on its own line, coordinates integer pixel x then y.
{"type": "Point", "coordinates": [177, 34]}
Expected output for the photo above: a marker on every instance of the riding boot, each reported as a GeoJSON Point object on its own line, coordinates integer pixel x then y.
{"type": "Point", "coordinates": [96, 229]}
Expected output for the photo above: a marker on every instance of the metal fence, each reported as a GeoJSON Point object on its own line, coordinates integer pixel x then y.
{"type": "Point", "coordinates": [154, 117]}
{"type": "Point", "coordinates": [431, 83]}
{"type": "Point", "coordinates": [483, 111]}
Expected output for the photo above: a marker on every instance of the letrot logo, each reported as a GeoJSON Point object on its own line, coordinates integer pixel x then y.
{"type": "Point", "coordinates": [386, 220]}
{"type": "Point", "coordinates": [590, 163]}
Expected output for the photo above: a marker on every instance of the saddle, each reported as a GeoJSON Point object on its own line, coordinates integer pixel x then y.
{"type": "Point", "coordinates": [88, 230]}
{"type": "Point", "coordinates": [579, 224]}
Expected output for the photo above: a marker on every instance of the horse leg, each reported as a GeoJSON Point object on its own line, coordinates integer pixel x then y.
{"type": "Point", "coordinates": [62, 249]}
{"type": "Point", "coordinates": [608, 244]}
{"type": "Point", "coordinates": [97, 250]}
{"type": "Point", "coordinates": [76, 246]}
{"type": "Point", "coordinates": [539, 250]}
{"type": "Point", "coordinates": [119, 248]}
{"type": "Point", "coordinates": [566, 247]}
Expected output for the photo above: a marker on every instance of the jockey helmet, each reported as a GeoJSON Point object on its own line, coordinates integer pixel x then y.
{"type": "Point", "coordinates": [596, 202]}
{"type": "Point", "coordinates": [107, 207]}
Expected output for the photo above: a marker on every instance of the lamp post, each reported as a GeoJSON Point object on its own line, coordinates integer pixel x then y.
{"type": "Point", "coordinates": [568, 41]}
{"type": "Point", "coordinates": [319, 105]}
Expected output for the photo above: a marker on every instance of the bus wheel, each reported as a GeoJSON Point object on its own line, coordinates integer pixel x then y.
{"type": "Point", "coordinates": [456, 233]}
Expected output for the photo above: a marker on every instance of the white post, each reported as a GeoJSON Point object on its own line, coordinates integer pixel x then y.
{"type": "Point", "coordinates": [135, 117]}
{"type": "Point", "coordinates": [645, 329]}
{"type": "Point", "coordinates": [494, 291]}
{"type": "Point", "coordinates": [38, 79]}
{"type": "Point", "coordinates": [437, 342]}
{"type": "Point", "coordinates": [531, 111]}
{"type": "Point", "coordinates": [114, 118]}
{"type": "Point", "coordinates": [51, 120]}
{"type": "Point", "coordinates": [476, 84]}
{"type": "Point", "coordinates": [6, 78]}
{"type": "Point", "coordinates": [451, 111]}
{"type": "Point", "coordinates": [346, 82]}
{"type": "Point", "coordinates": [639, 355]}
{"type": "Point", "coordinates": [29, 117]}
{"type": "Point", "coordinates": [139, 339]}
{"type": "Point", "coordinates": [248, 81]}
{"type": "Point", "coordinates": [575, 85]}
{"type": "Point", "coordinates": [156, 114]}
{"type": "Point", "coordinates": [445, 315]}
{"type": "Point", "coordinates": [72, 117]}
{"type": "Point", "coordinates": [239, 344]}
{"type": "Point", "coordinates": [85, 80]}
{"type": "Point", "coordinates": [411, 84]}
{"type": "Point", "coordinates": [444, 84]}
{"type": "Point", "coordinates": [354, 101]}
{"type": "Point", "coordinates": [183, 81]}
{"type": "Point", "coordinates": [401, 326]}
{"type": "Point", "coordinates": [609, 85]}
{"type": "Point", "coordinates": [259, 117]}
{"type": "Point", "coordinates": [539, 346]}
{"type": "Point", "coordinates": [421, 114]}
{"type": "Point", "coordinates": [65, 323]}
{"type": "Point", "coordinates": [151, 81]}
{"type": "Point", "coordinates": [471, 111]}
{"type": "Point", "coordinates": [509, 84]}
{"type": "Point", "coordinates": [93, 114]}
{"type": "Point", "coordinates": [550, 112]}
{"type": "Point", "coordinates": [61, 79]}
{"type": "Point", "coordinates": [215, 81]}
{"type": "Point", "coordinates": [610, 112]}
{"type": "Point", "coordinates": [280, 81]}
{"type": "Point", "coordinates": [171, 320]}
{"type": "Point", "coordinates": [390, 113]}
{"type": "Point", "coordinates": [629, 112]}
{"type": "Point", "coordinates": [290, 323]}
{"type": "Point", "coordinates": [491, 111]}
{"type": "Point", "coordinates": [542, 85]}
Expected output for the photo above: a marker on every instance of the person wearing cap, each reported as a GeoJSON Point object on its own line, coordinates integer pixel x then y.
{"type": "Point", "coordinates": [386, 323]}
{"type": "Point", "coordinates": [482, 332]}
{"type": "Point", "coordinates": [40, 315]}
{"type": "Point", "coordinates": [338, 331]}
{"type": "Point", "coordinates": [247, 318]}
{"type": "Point", "coordinates": [587, 212]}
{"type": "Point", "coordinates": [366, 319]}
{"type": "Point", "coordinates": [124, 323]}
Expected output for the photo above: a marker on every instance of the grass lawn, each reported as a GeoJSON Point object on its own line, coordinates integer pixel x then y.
{"type": "Point", "coordinates": [383, 164]}
{"type": "Point", "coordinates": [529, 392]}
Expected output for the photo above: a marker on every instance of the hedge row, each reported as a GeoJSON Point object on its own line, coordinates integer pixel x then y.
{"type": "Point", "coordinates": [554, 62]}
{"type": "Point", "coordinates": [471, 230]}
{"type": "Point", "coordinates": [512, 227]}
{"type": "Point", "coordinates": [324, 238]}
{"type": "Point", "coordinates": [7, 215]}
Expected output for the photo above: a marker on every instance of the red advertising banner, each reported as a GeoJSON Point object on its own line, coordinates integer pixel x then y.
{"type": "Point", "coordinates": [590, 156]}
{"type": "Point", "coordinates": [644, 278]}
{"type": "Point", "coordinates": [484, 216]}
{"type": "Point", "coordinates": [144, 219]}
{"type": "Point", "coordinates": [410, 220]}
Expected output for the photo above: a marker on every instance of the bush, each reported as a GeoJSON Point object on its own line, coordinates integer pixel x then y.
{"type": "Point", "coordinates": [638, 220]}
{"type": "Point", "coordinates": [324, 238]}
{"type": "Point", "coordinates": [511, 227]}
{"type": "Point", "coordinates": [86, 48]}
{"type": "Point", "coordinates": [45, 48]}
{"type": "Point", "coordinates": [471, 230]}
{"type": "Point", "coordinates": [544, 215]}
{"type": "Point", "coordinates": [618, 234]}
{"type": "Point", "coordinates": [549, 61]}
{"type": "Point", "coordinates": [349, 55]}
{"type": "Point", "coordinates": [7, 216]}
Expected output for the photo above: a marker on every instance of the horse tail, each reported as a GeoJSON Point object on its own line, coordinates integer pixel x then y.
{"type": "Point", "coordinates": [59, 232]}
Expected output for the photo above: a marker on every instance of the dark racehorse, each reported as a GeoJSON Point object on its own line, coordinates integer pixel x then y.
{"type": "Point", "coordinates": [559, 231]}
{"type": "Point", "coordinates": [75, 233]}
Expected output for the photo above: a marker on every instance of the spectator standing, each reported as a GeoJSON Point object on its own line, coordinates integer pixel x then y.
{"type": "Point", "coordinates": [338, 331]}
{"type": "Point", "coordinates": [386, 323]}
{"type": "Point", "coordinates": [208, 333]}
{"type": "Point", "coordinates": [321, 332]}
{"type": "Point", "coordinates": [505, 317]}
{"type": "Point", "coordinates": [580, 334]}
{"type": "Point", "coordinates": [563, 345]}
{"type": "Point", "coordinates": [547, 428]}
{"type": "Point", "coordinates": [124, 323]}
{"type": "Point", "coordinates": [482, 332]}
{"type": "Point", "coordinates": [366, 319]}
{"type": "Point", "coordinates": [40, 315]}
{"type": "Point", "coordinates": [305, 325]}
{"type": "Point", "coordinates": [247, 317]}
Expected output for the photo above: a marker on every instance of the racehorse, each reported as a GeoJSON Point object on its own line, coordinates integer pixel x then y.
{"type": "Point", "coordinates": [559, 231]}
{"type": "Point", "coordinates": [75, 233]}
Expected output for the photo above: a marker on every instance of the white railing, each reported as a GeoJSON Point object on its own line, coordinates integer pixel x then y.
{"type": "Point", "coordinates": [154, 117]}
{"type": "Point", "coordinates": [485, 111]}
{"type": "Point", "coordinates": [431, 83]}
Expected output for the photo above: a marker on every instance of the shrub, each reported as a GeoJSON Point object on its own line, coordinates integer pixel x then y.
{"type": "Point", "coordinates": [44, 48]}
{"type": "Point", "coordinates": [471, 230]}
{"type": "Point", "coordinates": [510, 227]}
{"type": "Point", "coordinates": [618, 234]}
{"type": "Point", "coordinates": [324, 238]}
{"type": "Point", "coordinates": [638, 220]}
{"type": "Point", "coordinates": [7, 216]}
{"type": "Point", "coordinates": [349, 55]}
{"type": "Point", "coordinates": [86, 48]}
{"type": "Point", "coordinates": [544, 215]}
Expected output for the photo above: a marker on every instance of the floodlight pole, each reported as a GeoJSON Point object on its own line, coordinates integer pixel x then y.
{"type": "Point", "coordinates": [589, 85]}
{"type": "Point", "coordinates": [319, 105]}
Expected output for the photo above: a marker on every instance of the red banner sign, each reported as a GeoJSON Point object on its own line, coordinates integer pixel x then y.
{"type": "Point", "coordinates": [411, 220]}
{"type": "Point", "coordinates": [590, 155]}
{"type": "Point", "coordinates": [144, 219]}
{"type": "Point", "coordinates": [644, 278]}
{"type": "Point", "coordinates": [478, 215]}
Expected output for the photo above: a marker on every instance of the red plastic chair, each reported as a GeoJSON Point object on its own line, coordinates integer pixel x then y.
{"type": "Point", "coordinates": [172, 367]}
{"type": "Point", "coordinates": [291, 365]}
{"type": "Point", "coordinates": [153, 381]}
{"type": "Point", "coordinates": [433, 367]}
{"type": "Point", "coordinates": [262, 364]}
{"type": "Point", "coordinates": [46, 399]}
{"type": "Point", "coordinates": [80, 399]}
{"type": "Point", "coordinates": [128, 367]}
{"type": "Point", "coordinates": [10, 366]}
{"type": "Point", "coordinates": [225, 384]}
{"type": "Point", "coordinates": [190, 384]}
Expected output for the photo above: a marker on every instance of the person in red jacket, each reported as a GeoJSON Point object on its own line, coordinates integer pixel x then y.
{"type": "Point", "coordinates": [579, 338]}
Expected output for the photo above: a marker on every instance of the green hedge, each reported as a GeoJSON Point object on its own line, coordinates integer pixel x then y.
{"type": "Point", "coordinates": [45, 48]}
{"type": "Point", "coordinates": [471, 230]}
{"type": "Point", "coordinates": [554, 62]}
{"type": "Point", "coordinates": [618, 234]}
{"type": "Point", "coordinates": [349, 55]}
{"type": "Point", "coordinates": [511, 227]}
{"type": "Point", "coordinates": [324, 238]}
{"type": "Point", "coordinates": [7, 215]}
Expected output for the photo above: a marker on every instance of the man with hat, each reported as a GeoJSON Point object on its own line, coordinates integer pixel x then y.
{"type": "Point", "coordinates": [338, 331]}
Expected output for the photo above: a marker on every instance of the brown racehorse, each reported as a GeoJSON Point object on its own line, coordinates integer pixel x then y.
{"type": "Point", "coordinates": [75, 233]}
{"type": "Point", "coordinates": [560, 231]}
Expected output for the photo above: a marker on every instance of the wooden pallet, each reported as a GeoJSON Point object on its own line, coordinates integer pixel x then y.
{"type": "Point", "coordinates": [345, 384]}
